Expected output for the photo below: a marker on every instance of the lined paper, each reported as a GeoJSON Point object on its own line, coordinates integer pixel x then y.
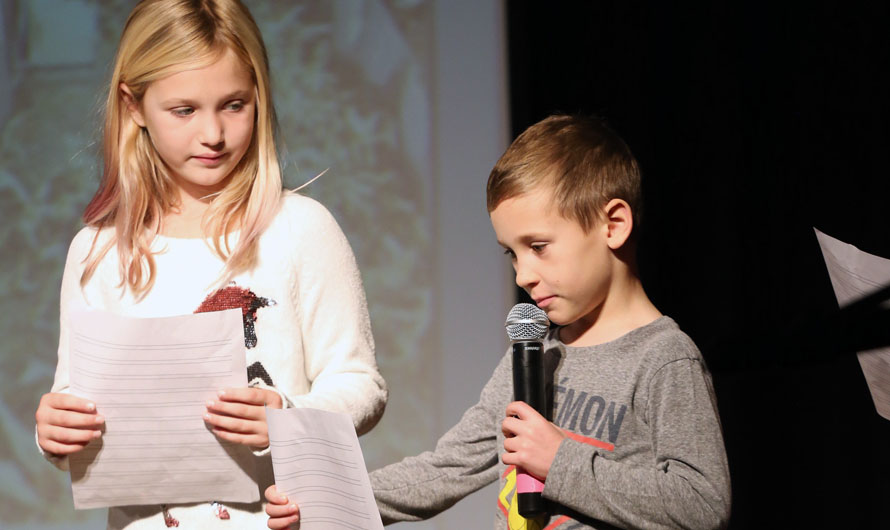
{"type": "Point", "coordinates": [318, 464]}
{"type": "Point", "coordinates": [150, 378]}
{"type": "Point", "coordinates": [855, 274]}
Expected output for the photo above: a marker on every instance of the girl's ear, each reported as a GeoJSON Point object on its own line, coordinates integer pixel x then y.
{"type": "Point", "coordinates": [619, 223]}
{"type": "Point", "coordinates": [132, 105]}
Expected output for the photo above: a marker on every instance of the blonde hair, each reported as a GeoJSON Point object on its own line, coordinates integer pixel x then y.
{"type": "Point", "coordinates": [161, 38]}
{"type": "Point", "coordinates": [581, 159]}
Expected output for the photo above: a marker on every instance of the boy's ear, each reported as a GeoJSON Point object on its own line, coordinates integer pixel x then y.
{"type": "Point", "coordinates": [132, 105]}
{"type": "Point", "coordinates": [619, 223]}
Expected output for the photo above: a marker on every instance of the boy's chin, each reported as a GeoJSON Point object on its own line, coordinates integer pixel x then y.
{"type": "Point", "coordinates": [566, 319]}
{"type": "Point", "coordinates": [555, 318]}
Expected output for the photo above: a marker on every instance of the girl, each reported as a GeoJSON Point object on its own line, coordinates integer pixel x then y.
{"type": "Point", "coordinates": [190, 216]}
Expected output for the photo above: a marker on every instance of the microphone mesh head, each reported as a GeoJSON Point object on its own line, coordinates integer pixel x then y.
{"type": "Point", "coordinates": [526, 322]}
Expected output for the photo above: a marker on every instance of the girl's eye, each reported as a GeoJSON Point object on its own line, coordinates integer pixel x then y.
{"type": "Point", "coordinates": [183, 111]}
{"type": "Point", "coordinates": [235, 106]}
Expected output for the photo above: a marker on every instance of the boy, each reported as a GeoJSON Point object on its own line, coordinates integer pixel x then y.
{"type": "Point", "coordinates": [636, 439]}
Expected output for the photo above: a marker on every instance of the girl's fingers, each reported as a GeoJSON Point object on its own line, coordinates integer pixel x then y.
{"type": "Point", "coordinates": [73, 420]}
{"type": "Point", "coordinates": [273, 496]}
{"type": "Point", "coordinates": [249, 396]}
{"type": "Point", "coordinates": [66, 411]}
{"type": "Point", "coordinates": [282, 510]}
{"type": "Point", "coordinates": [282, 523]}
{"type": "Point", "coordinates": [59, 449]}
{"type": "Point", "coordinates": [67, 441]}
{"type": "Point", "coordinates": [59, 401]}
{"type": "Point", "coordinates": [237, 410]}
{"type": "Point", "coordinates": [63, 435]}
{"type": "Point", "coordinates": [235, 425]}
{"type": "Point", "coordinates": [236, 418]}
{"type": "Point", "coordinates": [252, 440]}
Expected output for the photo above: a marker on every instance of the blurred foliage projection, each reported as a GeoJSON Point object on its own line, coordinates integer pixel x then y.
{"type": "Point", "coordinates": [352, 89]}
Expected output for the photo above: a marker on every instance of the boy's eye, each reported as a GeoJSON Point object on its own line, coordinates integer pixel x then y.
{"type": "Point", "coordinates": [183, 111]}
{"type": "Point", "coordinates": [538, 247]}
{"type": "Point", "coordinates": [510, 253]}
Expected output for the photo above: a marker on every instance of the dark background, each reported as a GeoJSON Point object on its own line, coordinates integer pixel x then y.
{"type": "Point", "coordinates": [753, 122]}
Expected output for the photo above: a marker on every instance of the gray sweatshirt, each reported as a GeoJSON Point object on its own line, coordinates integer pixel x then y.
{"type": "Point", "coordinates": [645, 449]}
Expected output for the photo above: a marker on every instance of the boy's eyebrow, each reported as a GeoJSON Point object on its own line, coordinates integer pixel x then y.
{"type": "Point", "coordinates": [504, 246]}
{"type": "Point", "coordinates": [526, 239]}
{"type": "Point", "coordinates": [529, 238]}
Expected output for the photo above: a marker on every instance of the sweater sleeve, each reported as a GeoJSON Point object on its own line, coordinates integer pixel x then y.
{"type": "Point", "coordinates": [464, 460]}
{"type": "Point", "coordinates": [687, 486]}
{"type": "Point", "coordinates": [69, 295]}
{"type": "Point", "coordinates": [335, 326]}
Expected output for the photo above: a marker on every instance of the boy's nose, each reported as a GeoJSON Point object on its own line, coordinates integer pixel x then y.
{"type": "Point", "coordinates": [525, 277]}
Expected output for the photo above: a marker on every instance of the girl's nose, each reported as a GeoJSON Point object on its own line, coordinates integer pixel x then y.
{"type": "Point", "coordinates": [212, 131]}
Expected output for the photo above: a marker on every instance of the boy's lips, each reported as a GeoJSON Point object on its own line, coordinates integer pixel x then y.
{"type": "Point", "coordinates": [544, 301]}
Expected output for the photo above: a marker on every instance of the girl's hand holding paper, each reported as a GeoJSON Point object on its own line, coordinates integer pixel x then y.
{"type": "Point", "coordinates": [66, 423]}
{"type": "Point", "coordinates": [238, 415]}
{"type": "Point", "coordinates": [281, 514]}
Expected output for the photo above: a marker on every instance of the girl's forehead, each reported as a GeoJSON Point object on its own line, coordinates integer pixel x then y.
{"type": "Point", "coordinates": [200, 60]}
{"type": "Point", "coordinates": [226, 73]}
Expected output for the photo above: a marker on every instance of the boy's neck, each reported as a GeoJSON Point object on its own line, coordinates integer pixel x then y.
{"type": "Point", "coordinates": [625, 308]}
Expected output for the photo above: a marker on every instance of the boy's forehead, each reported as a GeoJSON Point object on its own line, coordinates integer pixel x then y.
{"type": "Point", "coordinates": [530, 213]}
{"type": "Point", "coordinates": [523, 212]}
{"type": "Point", "coordinates": [540, 197]}
{"type": "Point", "coordinates": [539, 201]}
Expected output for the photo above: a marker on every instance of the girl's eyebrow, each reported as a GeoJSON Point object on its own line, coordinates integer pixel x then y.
{"type": "Point", "coordinates": [237, 94]}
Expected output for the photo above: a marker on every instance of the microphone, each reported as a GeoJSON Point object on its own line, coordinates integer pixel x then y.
{"type": "Point", "coordinates": [526, 326]}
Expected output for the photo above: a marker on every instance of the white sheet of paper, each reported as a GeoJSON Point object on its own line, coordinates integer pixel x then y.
{"type": "Point", "coordinates": [150, 378]}
{"type": "Point", "coordinates": [855, 274]}
{"type": "Point", "coordinates": [318, 464]}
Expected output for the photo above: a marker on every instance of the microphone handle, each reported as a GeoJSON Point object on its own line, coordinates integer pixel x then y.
{"type": "Point", "coordinates": [528, 386]}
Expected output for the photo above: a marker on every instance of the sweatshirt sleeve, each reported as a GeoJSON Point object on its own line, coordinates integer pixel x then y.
{"type": "Point", "coordinates": [687, 486]}
{"type": "Point", "coordinates": [464, 460]}
{"type": "Point", "coordinates": [333, 318]}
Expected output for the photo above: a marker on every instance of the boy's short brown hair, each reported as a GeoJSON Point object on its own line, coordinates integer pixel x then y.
{"type": "Point", "coordinates": [582, 160]}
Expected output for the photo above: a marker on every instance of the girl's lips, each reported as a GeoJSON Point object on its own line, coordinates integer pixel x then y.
{"type": "Point", "coordinates": [209, 160]}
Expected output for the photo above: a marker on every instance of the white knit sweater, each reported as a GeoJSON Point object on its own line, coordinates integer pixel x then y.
{"type": "Point", "coordinates": [312, 333]}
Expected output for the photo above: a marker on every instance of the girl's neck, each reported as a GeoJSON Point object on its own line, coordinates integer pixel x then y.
{"type": "Point", "coordinates": [185, 220]}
